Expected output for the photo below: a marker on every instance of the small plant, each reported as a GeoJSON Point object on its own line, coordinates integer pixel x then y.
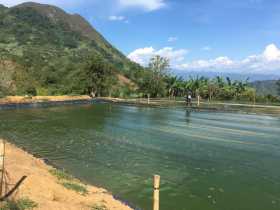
{"type": "Point", "coordinates": [99, 207]}
{"type": "Point", "coordinates": [76, 187]}
{"type": "Point", "coordinates": [68, 181]}
{"type": "Point", "coordinates": [61, 175]}
{"type": "Point", "coordinates": [21, 204]}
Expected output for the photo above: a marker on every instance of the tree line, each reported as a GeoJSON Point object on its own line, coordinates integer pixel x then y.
{"type": "Point", "coordinates": [97, 77]}
{"type": "Point", "coordinates": [159, 83]}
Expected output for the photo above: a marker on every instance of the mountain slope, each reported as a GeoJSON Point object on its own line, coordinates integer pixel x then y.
{"type": "Point", "coordinates": [49, 48]}
{"type": "Point", "coordinates": [268, 87]}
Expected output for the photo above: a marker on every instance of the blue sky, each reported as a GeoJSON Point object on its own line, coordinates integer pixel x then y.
{"type": "Point", "coordinates": [201, 35]}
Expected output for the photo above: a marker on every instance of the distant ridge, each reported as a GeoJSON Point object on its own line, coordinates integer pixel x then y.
{"type": "Point", "coordinates": [234, 76]}
{"type": "Point", "coordinates": [268, 87]}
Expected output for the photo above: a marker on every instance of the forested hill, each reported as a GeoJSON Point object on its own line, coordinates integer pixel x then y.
{"type": "Point", "coordinates": [45, 50]}
{"type": "Point", "coordinates": [268, 87]}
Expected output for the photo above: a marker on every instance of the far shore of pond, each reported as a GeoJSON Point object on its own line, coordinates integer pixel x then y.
{"type": "Point", "coordinates": [235, 106]}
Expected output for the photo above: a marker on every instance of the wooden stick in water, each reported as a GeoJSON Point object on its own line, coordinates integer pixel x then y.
{"type": "Point", "coordinates": [156, 192]}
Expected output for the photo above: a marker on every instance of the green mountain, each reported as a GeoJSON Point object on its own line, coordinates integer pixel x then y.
{"type": "Point", "coordinates": [45, 49]}
{"type": "Point", "coordinates": [267, 87]}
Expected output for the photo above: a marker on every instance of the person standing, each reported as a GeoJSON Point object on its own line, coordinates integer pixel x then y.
{"type": "Point", "coordinates": [188, 99]}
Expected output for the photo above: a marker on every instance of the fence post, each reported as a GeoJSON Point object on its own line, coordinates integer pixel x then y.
{"type": "Point", "coordinates": [156, 192]}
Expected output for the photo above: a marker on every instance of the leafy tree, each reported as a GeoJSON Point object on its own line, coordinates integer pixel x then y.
{"type": "Point", "coordinates": [99, 77]}
{"type": "Point", "coordinates": [146, 83]}
{"type": "Point", "coordinates": [159, 65]}
{"type": "Point", "coordinates": [154, 81]}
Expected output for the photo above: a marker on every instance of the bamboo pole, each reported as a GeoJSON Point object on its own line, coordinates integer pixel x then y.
{"type": "Point", "coordinates": [156, 192]}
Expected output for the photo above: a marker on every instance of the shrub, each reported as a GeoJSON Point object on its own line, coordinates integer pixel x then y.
{"type": "Point", "coordinates": [76, 187]}
{"type": "Point", "coordinates": [68, 181]}
{"type": "Point", "coordinates": [61, 175]}
{"type": "Point", "coordinates": [21, 204]}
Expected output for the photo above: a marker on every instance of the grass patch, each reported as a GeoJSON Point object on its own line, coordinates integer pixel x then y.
{"type": "Point", "coordinates": [69, 182]}
{"type": "Point", "coordinates": [76, 187]}
{"type": "Point", "coordinates": [61, 175]}
{"type": "Point", "coordinates": [21, 204]}
{"type": "Point", "coordinates": [99, 207]}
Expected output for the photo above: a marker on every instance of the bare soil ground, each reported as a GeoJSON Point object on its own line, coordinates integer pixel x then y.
{"type": "Point", "coordinates": [34, 99]}
{"type": "Point", "coordinates": [46, 190]}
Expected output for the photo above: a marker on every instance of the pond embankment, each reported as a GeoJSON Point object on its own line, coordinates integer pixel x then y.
{"type": "Point", "coordinates": [13, 102]}
{"type": "Point", "coordinates": [51, 189]}
{"type": "Point", "coordinates": [39, 99]}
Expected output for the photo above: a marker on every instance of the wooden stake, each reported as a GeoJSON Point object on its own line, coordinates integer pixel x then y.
{"type": "Point", "coordinates": [2, 166]}
{"type": "Point", "coordinates": [156, 192]}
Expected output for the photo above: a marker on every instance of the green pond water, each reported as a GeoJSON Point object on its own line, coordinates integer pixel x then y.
{"type": "Point", "coordinates": [207, 160]}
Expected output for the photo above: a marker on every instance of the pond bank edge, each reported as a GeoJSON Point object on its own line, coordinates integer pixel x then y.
{"type": "Point", "coordinates": [50, 165]}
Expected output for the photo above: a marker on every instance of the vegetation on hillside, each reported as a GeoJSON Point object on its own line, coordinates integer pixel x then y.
{"type": "Point", "coordinates": [45, 51]}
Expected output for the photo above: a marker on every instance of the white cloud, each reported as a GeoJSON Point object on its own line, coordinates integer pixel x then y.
{"type": "Point", "coordinates": [271, 53]}
{"type": "Point", "coordinates": [268, 62]}
{"type": "Point", "coordinates": [217, 63]}
{"type": "Point", "coordinates": [143, 55]}
{"type": "Point", "coordinates": [172, 39]}
{"type": "Point", "coordinates": [148, 5]}
{"type": "Point", "coordinates": [116, 18]}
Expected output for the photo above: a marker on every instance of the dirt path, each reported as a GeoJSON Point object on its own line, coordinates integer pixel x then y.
{"type": "Point", "coordinates": [36, 99]}
{"type": "Point", "coordinates": [47, 190]}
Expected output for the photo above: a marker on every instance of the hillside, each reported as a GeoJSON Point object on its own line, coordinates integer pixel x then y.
{"type": "Point", "coordinates": [44, 49]}
{"type": "Point", "coordinates": [267, 87]}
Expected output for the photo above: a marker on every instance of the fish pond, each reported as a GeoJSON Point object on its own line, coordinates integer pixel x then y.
{"type": "Point", "coordinates": [207, 160]}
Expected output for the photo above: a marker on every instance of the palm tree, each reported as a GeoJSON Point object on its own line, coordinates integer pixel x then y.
{"type": "Point", "coordinates": [229, 81]}
{"type": "Point", "coordinates": [240, 87]}
{"type": "Point", "coordinates": [171, 85]}
{"type": "Point", "coordinates": [220, 81]}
